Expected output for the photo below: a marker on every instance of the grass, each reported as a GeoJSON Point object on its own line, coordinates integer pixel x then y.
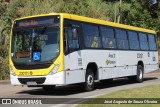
{"type": "Point", "coordinates": [144, 92]}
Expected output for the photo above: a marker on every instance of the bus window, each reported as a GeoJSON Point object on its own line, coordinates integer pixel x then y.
{"type": "Point", "coordinates": [72, 40]}
{"type": "Point", "coordinates": [108, 40]}
{"type": "Point", "coordinates": [133, 40]}
{"type": "Point", "coordinates": [143, 41]}
{"type": "Point", "coordinates": [121, 37]}
{"type": "Point", "coordinates": [91, 36]}
{"type": "Point", "coordinates": [152, 42]}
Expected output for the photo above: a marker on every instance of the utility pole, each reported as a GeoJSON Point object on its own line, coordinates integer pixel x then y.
{"type": "Point", "coordinates": [118, 18]}
{"type": "Point", "coordinates": [120, 10]}
{"type": "Point", "coordinates": [115, 14]}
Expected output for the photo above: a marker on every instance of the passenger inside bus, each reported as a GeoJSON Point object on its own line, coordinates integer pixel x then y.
{"type": "Point", "coordinates": [94, 42]}
{"type": "Point", "coordinates": [111, 44]}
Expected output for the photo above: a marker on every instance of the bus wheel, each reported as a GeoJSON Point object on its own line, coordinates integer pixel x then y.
{"type": "Point", "coordinates": [49, 87]}
{"type": "Point", "coordinates": [139, 77]}
{"type": "Point", "coordinates": [89, 80]}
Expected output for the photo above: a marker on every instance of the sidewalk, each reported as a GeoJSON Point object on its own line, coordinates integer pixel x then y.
{"type": "Point", "coordinates": [3, 82]}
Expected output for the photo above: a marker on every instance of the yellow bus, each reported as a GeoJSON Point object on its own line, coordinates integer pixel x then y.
{"type": "Point", "coordinates": [60, 49]}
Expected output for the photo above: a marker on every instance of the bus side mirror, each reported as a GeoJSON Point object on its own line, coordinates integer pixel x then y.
{"type": "Point", "coordinates": [3, 37]}
{"type": "Point", "coordinates": [74, 34]}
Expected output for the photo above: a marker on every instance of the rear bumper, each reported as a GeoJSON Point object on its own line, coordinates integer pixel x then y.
{"type": "Point", "coordinates": [55, 79]}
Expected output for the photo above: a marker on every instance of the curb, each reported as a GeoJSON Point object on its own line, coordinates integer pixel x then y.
{"type": "Point", "coordinates": [5, 82]}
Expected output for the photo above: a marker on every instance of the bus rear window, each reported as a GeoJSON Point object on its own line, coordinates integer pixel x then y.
{"type": "Point", "coordinates": [152, 42]}
{"type": "Point", "coordinates": [143, 41]}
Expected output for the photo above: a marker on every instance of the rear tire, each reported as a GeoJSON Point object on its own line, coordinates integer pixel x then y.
{"type": "Point", "coordinates": [49, 87]}
{"type": "Point", "coordinates": [139, 77]}
{"type": "Point", "coordinates": [89, 80]}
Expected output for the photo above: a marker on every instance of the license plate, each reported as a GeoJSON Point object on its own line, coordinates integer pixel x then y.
{"type": "Point", "coordinates": [31, 83]}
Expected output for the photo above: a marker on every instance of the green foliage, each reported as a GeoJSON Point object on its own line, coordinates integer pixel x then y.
{"type": "Point", "coordinates": [90, 8]}
{"type": "Point", "coordinates": [4, 69]}
{"type": "Point", "coordinates": [140, 16]}
{"type": "Point", "coordinates": [2, 7]}
{"type": "Point", "coordinates": [11, 13]}
{"type": "Point", "coordinates": [8, 14]}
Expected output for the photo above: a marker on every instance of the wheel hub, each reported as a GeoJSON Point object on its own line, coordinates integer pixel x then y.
{"type": "Point", "coordinates": [140, 75]}
{"type": "Point", "coordinates": [90, 80]}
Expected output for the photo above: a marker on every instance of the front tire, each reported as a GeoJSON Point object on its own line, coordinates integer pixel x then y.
{"type": "Point", "coordinates": [89, 80]}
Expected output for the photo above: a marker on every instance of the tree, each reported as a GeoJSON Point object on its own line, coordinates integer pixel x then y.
{"type": "Point", "coordinates": [140, 16]}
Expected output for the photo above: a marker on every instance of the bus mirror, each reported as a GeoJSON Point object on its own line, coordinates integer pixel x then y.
{"type": "Point", "coordinates": [74, 34]}
{"type": "Point", "coordinates": [3, 37]}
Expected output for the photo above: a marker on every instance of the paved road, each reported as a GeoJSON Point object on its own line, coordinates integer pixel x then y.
{"type": "Point", "coordinates": [73, 91]}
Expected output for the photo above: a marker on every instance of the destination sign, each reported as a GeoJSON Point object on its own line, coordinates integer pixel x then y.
{"type": "Point", "coordinates": [37, 21]}
{"type": "Point", "coordinates": [28, 23]}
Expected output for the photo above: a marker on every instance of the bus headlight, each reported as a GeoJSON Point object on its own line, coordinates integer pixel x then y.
{"type": "Point", "coordinates": [12, 71]}
{"type": "Point", "coordinates": [55, 69]}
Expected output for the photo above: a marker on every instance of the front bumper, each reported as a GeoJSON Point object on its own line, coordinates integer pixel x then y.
{"type": "Point", "coordinates": [55, 79]}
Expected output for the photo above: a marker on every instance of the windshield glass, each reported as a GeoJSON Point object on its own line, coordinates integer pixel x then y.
{"type": "Point", "coordinates": [35, 40]}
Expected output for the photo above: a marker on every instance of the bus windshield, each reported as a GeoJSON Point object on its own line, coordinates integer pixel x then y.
{"type": "Point", "coordinates": [35, 40]}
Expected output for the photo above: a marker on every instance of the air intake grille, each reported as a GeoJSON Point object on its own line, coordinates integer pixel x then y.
{"type": "Point", "coordinates": [37, 80]}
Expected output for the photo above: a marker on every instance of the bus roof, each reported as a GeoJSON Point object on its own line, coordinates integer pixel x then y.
{"type": "Point", "coordinates": [96, 21]}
